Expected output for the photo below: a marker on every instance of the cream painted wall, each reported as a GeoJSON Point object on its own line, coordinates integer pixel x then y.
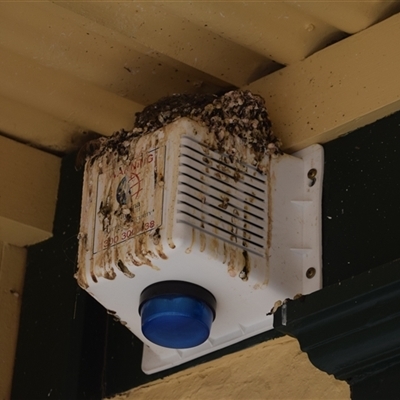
{"type": "Point", "coordinates": [276, 370]}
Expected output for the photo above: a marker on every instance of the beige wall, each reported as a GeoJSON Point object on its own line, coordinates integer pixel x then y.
{"type": "Point", "coordinates": [276, 369]}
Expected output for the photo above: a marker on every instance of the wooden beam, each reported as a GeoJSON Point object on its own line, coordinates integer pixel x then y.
{"type": "Point", "coordinates": [189, 45]}
{"type": "Point", "coordinates": [273, 29]}
{"type": "Point", "coordinates": [12, 272]}
{"type": "Point", "coordinates": [339, 89]}
{"type": "Point", "coordinates": [38, 127]}
{"type": "Point", "coordinates": [97, 44]}
{"type": "Point", "coordinates": [64, 96]}
{"type": "Point", "coordinates": [348, 16]}
{"type": "Point", "coordinates": [29, 183]}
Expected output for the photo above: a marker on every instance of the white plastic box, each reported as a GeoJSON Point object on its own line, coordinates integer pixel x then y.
{"type": "Point", "coordinates": [175, 209]}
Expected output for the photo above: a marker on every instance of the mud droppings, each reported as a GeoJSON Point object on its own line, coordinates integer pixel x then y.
{"type": "Point", "coordinates": [203, 241]}
{"type": "Point", "coordinates": [123, 268]}
{"type": "Point", "coordinates": [244, 273]}
{"type": "Point", "coordinates": [189, 249]}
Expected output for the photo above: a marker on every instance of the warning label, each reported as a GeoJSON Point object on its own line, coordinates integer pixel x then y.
{"type": "Point", "coordinates": [129, 200]}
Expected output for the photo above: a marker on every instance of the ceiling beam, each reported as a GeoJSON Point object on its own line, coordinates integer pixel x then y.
{"type": "Point", "coordinates": [38, 128]}
{"type": "Point", "coordinates": [29, 184]}
{"type": "Point", "coordinates": [97, 43]}
{"type": "Point", "coordinates": [337, 90]}
{"type": "Point", "coordinates": [64, 96]}
{"type": "Point", "coordinates": [187, 45]}
{"type": "Point", "coordinates": [272, 29]}
{"type": "Point", "coordinates": [348, 16]}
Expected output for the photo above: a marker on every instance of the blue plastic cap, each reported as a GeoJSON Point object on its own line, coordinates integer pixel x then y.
{"type": "Point", "coordinates": [176, 320]}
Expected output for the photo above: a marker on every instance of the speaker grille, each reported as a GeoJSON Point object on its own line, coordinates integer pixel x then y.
{"type": "Point", "coordinates": [223, 200]}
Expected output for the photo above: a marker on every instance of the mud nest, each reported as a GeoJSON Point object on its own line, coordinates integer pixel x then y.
{"type": "Point", "coordinates": [238, 113]}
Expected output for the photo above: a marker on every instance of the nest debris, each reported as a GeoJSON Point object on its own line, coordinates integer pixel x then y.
{"type": "Point", "coordinates": [235, 113]}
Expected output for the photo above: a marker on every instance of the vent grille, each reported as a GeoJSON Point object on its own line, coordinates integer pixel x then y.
{"type": "Point", "coordinates": [222, 200]}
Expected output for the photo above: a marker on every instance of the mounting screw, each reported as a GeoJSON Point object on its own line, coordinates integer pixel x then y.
{"type": "Point", "coordinates": [311, 272]}
{"type": "Point", "coordinates": [312, 176]}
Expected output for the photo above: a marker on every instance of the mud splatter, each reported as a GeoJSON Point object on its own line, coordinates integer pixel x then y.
{"type": "Point", "coordinates": [189, 249]}
{"type": "Point", "coordinates": [244, 273]}
{"type": "Point", "coordinates": [203, 241]}
{"type": "Point", "coordinates": [124, 269]}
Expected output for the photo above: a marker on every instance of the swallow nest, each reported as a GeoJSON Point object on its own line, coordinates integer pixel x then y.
{"type": "Point", "coordinates": [239, 113]}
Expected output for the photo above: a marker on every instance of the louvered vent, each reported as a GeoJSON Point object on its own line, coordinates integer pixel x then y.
{"type": "Point", "coordinates": [220, 199]}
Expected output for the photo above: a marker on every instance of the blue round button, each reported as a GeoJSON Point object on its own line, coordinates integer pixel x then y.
{"type": "Point", "coordinates": [173, 318]}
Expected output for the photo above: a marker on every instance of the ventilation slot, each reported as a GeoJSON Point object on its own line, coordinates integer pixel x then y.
{"type": "Point", "coordinates": [221, 200]}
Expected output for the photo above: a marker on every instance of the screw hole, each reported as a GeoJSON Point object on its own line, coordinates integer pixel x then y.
{"type": "Point", "coordinates": [312, 176]}
{"type": "Point", "coordinates": [311, 273]}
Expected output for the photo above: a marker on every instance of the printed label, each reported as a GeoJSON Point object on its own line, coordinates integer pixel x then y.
{"type": "Point", "coordinates": [129, 200]}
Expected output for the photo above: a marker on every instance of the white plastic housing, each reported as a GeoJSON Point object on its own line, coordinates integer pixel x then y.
{"type": "Point", "coordinates": [247, 237]}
